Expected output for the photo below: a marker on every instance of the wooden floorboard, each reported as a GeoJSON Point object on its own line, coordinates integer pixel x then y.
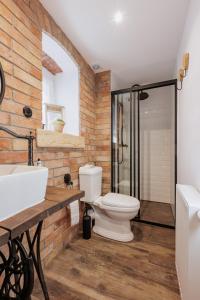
{"type": "Point", "coordinates": [157, 212]}
{"type": "Point", "coordinates": [101, 269]}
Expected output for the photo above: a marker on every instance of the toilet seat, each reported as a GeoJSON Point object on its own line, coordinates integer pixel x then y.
{"type": "Point", "coordinates": [118, 202]}
{"type": "Point", "coordinates": [119, 209]}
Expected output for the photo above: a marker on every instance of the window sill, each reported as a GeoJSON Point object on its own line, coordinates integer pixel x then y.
{"type": "Point", "coordinates": [51, 139]}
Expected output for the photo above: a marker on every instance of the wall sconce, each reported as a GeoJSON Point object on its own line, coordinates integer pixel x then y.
{"type": "Point", "coordinates": [183, 71]}
{"type": "Point", "coordinates": [186, 58]}
{"type": "Point", "coordinates": [181, 75]}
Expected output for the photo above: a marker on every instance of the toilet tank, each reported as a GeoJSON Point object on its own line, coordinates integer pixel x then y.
{"type": "Point", "coordinates": [90, 181]}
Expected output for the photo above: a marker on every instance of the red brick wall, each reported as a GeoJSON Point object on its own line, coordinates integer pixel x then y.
{"type": "Point", "coordinates": [21, 26]}
{"type": "Point", "coordinates": [103, 126]}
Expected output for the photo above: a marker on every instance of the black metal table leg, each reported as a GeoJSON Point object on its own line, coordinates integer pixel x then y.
{"type": "Point", "coordinates": [16, 270]}
{"type": "Point", "coordinates": [36, 256]}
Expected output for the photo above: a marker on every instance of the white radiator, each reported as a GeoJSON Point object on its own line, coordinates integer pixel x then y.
{"type": "Point", "coordinates": [188, 241]}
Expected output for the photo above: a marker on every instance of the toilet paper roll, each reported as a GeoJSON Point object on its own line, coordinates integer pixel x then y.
{"type": "Point", "coordinates": [74, 210]}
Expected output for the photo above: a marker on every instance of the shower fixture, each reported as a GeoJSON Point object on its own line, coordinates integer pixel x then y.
{"type": "Point", "coordinates": [141, 95]}
{"type": "Point", "coordinates": [120, 130]}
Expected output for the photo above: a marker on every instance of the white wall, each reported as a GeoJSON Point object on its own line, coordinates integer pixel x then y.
{"type": "Point", "coordinates": [48, 86]}
{"type": "Point", "coordinates": [172, 152]}
{"type": "Point", "coordinates": [189, 101]}
{"type": "Point", "coordinates": [189, 148]}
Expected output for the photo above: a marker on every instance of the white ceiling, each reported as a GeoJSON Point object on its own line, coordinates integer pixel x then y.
{"type": "Point", "coordinates": [141, 49]}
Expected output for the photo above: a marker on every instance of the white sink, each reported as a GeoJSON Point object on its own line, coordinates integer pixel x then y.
{"type": "Point", "coordinates": [21, 187]}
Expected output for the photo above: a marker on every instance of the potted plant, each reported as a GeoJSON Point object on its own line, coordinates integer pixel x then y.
{"type": "Point", "coordinates": [59, 125]}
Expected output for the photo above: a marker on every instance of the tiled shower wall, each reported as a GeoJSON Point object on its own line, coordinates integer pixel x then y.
{"type": "Point", "coordinates": [21, 26]}
{"type": "Point", "coordinates": [157, 145]}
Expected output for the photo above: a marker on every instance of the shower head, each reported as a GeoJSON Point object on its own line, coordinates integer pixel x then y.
{"type": "Point", "coordinates": [143, 95]}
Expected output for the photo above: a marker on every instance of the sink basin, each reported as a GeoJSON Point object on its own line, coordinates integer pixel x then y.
{"type": "Point", "coordinates": [21, 187]}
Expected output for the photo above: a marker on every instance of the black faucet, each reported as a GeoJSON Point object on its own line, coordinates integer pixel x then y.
{"type": "Point", "coordinates": [29, 138]}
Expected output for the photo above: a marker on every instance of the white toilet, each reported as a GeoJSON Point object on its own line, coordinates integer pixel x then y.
{"type": "Point", "coordinates": [113, 212]}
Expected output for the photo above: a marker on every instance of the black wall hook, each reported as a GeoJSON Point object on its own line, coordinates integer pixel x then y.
{"type": "Point", "coordinates": [27, 111]}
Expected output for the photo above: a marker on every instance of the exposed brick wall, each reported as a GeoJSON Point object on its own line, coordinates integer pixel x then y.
{"type": "Point", "coordinates": [103, 126]}
{"type": "Point", "coordinates": [21, 26]}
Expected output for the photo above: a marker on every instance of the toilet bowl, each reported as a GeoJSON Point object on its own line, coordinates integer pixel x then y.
{"type": "Point", "coordinates": [113, 211]}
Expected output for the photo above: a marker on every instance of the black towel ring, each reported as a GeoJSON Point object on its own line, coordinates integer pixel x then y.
{"type": "Point", "coordinates": [3, 84]}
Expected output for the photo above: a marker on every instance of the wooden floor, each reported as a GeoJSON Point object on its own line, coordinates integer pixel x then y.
{"type": "Point", "coordinates": [156, 212]}
{"type": "Point", "coordinates": [107, 270]}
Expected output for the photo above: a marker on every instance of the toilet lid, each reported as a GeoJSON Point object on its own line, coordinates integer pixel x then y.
{"type": "Point", "coordinates": [119, 200]}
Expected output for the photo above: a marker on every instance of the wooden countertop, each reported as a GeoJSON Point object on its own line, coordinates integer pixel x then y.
{"type": "Point", "coordinates": [55, 199]}
{"type": "Point", "coordinates": [4, 236]}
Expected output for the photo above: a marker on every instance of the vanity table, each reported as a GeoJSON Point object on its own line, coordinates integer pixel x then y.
{"type": "Point", "coordinates": [20, 253]}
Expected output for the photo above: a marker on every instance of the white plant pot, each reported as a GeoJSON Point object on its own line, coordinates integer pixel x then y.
{"type": "Point", "coordinates": [58, 126]}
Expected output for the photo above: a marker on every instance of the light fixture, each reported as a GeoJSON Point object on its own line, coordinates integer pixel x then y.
{"type": "Point", "coordinates": [183, 70]}
{"type": "Point", "coordinates": [96, 67]}
{"type": "Point", "coordinates": [118, 17]}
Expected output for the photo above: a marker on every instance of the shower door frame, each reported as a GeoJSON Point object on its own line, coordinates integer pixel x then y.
{"type": "Point", "coordinates": [172, 82]}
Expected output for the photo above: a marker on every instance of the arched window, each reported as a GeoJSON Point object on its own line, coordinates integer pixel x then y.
{"type": "Point", "coordinates": [60, 86]}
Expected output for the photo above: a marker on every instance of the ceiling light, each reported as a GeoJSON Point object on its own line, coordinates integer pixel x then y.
{"type": "Point", "coordinates": [96, 67]}
{"type": "Point", "coordinates": [118, 17]}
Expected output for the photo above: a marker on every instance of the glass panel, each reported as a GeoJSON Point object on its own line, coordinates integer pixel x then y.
{"type": "Point", "coordinates": [136, 148]}
{"type": "Point", "coordinates": [121, 143]}
{"type": "Point", "coordinates": [157, 153]}
{"type": "Point", "coordinates": [143, 145]}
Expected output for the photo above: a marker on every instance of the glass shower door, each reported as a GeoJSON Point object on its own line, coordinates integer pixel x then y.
{"type": "Point", "coordinates": [121, 143]}
{"type": "Point", "coordinates": [157, 156]}
{"type": "Point", "coordinates": [144, 149]}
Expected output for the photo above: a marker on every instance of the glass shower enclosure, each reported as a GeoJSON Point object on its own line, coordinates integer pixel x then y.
{"type": "Point", "coordinates": [144, 148]}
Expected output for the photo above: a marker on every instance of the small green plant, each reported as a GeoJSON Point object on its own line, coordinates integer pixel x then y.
{"type": "Point", "coordinates": [59, 121]}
